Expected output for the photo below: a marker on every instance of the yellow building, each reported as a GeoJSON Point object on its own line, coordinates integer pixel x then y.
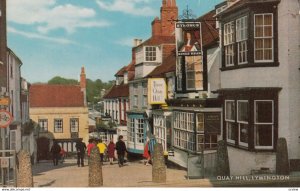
{"type": "Point", "coordinates": [62, 114]}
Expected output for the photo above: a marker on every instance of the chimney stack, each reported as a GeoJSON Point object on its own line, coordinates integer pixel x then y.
{"type": "Point", "coordinates": [83, 84]}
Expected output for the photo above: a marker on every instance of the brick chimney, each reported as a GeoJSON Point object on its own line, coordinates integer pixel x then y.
{"type": "Point", "coordinates": [168, 15]}
{"type": "Point", "coordinates": [156, 27]}
{"type": "Point", "coordinates": [83, 84]}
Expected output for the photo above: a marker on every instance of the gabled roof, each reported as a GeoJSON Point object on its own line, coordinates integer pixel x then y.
{"type": "Point", "coordinates": [121, 71]}
{"type": "Point", "coordinates": [168, 65]}
{"type": "Point", "coordinates": [44, 95]}
{"type": "Point", "coordinates": [210, 34]}
{"type": "Point", "coordinates": [157, 40]}
{"type": "Point", "coordinates": [117, 91]}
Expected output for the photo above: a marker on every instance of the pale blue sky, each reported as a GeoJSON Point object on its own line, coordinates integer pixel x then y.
{"type": "Point", "coordinates": [57, 37]}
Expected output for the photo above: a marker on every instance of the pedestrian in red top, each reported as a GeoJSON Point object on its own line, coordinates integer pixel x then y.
{"type": "Point", "coordinates": [111, 151]}
{"type": "Point", "coordinates": [146, 154]}
{"type": "Point", "coordinates": [90, 146]}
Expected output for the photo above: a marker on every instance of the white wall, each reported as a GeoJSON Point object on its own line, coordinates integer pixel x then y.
{"type": "Point", "coordinates": [286, 76]}
{"type": "Point", "coordinates": [241, 162]}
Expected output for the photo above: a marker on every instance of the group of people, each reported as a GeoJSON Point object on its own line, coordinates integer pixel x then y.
{"type": "Point", "coordinates": [104, 150]}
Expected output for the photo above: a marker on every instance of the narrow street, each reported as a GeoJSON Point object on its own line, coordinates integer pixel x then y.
{"type": "Point", "coordinates": [133, 174]}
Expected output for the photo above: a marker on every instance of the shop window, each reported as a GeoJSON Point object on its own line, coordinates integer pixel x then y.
{"type": "Point", "coordinates": [230, 120]}
{"type": "Point", "coordinates": [140, 130]}
{"type": "Point", "coordinates": [131, 130]}
{"type": "Point", "coordinates": [242, 120]}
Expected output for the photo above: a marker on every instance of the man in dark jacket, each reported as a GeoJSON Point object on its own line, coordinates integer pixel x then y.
{"type": "Point", "coordinates": [121, 149]}
{"type": "Point", "coordinates": [80, 147]}
{"type": "Point", "coordinates": [55, 150]}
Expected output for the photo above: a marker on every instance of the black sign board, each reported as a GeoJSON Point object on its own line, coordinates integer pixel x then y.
{"type": "Point", "coordinates": [212, 123]}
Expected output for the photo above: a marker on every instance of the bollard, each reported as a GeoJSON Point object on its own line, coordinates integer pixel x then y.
{"type": "Point", "coordinates": [222, 161]}
{"type": "Point", "coordinates": [24, 171]}
{"type": "Point", "coordinates": [282, 158]}
{"type": "Point", "coordinates": [159, 174]}
{"type": "Point", "coordinates": [95, 169]}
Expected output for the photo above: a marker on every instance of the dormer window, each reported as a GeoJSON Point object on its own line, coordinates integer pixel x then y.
{"type": "Point", "coordinates": [150, 52]}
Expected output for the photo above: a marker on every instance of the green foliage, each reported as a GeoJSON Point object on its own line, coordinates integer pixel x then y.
{"type": "Point", "coordinates": [64, 81]}
{"type": "Point", "coordinates": [93, 88]}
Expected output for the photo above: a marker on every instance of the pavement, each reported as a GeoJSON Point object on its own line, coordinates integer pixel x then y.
{"type": "Point", "coordinates": [136, 174]}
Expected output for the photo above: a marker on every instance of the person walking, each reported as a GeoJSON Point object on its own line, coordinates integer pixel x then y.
{"type": "Point", "coordinates": [146, 154]}
{"type": "Point", "coordinates": [121, 149]}
{"type": "Point", "coordinates": [102, 147]}
{"type": "Point", "coordinates": [62, 155]}
{"type": "Point", "coordinates": [90, 146]}
{"type": "Point", "coordinates": [111, 151]}
{"type": "Point", "coordinates": [151, 144]}
{"type": "Point", "coordinates": [80, 147]}
{"type": "Point", "coordinates": [55, 150]}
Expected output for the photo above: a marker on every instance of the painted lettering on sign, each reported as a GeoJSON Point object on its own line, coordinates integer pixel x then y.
{"type": "Point", "coordinates": [157, 91]}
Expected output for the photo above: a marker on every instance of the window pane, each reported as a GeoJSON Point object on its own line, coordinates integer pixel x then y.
{"type": "Point", "coordinates": [230, 110]}
{"type": "Point", "coordinates": [259, 55]}
{"type": "Point", "coordinates": [231, 131]}
{"type": "Point", "coordinates": [258, 20]}
{"type": "Point", "coordinates": [243, 111]}
{"type": "Point", "coordinates": [264, 112]}
{"type": "Point", "coordinates": [268, 20]}
{"type": "Point", "coordinates": [268, 43]}
{"type": "Point", "coordinates": [268, 31]}
{"type": "Point", "coordinates": [263, 135]}
{"type": "Point", "coordinates": [243, 133]}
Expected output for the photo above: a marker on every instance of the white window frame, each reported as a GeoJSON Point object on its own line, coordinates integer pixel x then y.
{"type": "Point", "coordinates": [139, 130]}
{"type": "Point", "coordinates": [229, 120]}
{"type": "Point", "coordinates": [242, 122]}
{"type": "Point", "coordinates": [58, 124]}
{"type": "Point", "coordinates": [153, 58]}
{"type": "Point", "coordinates": [240, 31]}
{"type": "Point", "coordinates": [43, 121]}
{"type": "Point", "coordinates": [76, 128]}
{"type": "Point", "coordinates": [264, 37]}
{"type": "Point", "coordinates": [160, 129]}
{"type": "Point", "coordinates": [257, 123]}
{"type": "Point", "coordinates": [229, 43]}
{"type": "Point", "coordinates": [131, 130]}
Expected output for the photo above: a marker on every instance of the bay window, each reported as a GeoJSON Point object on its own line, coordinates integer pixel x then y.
{"type": "Point", "coordinates": [159, 125]}
{"type": "Point", "coordinates": [139, 130]}
{"type": "Point", "coordinates": [189, 132]}
{"type": "Point", "coordinates": [251, 118]}
{"type": "Point", "coordinates": [131, 130]}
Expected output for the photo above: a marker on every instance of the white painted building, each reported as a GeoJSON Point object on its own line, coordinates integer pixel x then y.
{"type": "Point", "coordinates": [260, 82]}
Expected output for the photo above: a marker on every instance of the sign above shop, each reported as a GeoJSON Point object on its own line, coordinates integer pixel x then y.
{"type": "Point", "coordinates": [157, 91]}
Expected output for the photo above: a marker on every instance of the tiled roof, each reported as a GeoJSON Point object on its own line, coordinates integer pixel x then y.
{"type": "Point", "coordinates": [121, 71]}
{"type": "Point", "coordinates": [44, 95]}
{"type": "Point", "coordinates": [157, 40]}
{"type": "Point", "coordinates": [117, 91]}
{"type": "Point", "coordinates": [130, 67]}
{"type": "Point", "coordinates": [210, 34]}
{"type": "Point", "coordinates": [168, 65]}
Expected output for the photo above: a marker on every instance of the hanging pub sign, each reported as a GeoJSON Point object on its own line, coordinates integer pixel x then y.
{"type": "Point", "coordinates": [157, 91]}
{"type": "Point", "coordinates": [188, 38]}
